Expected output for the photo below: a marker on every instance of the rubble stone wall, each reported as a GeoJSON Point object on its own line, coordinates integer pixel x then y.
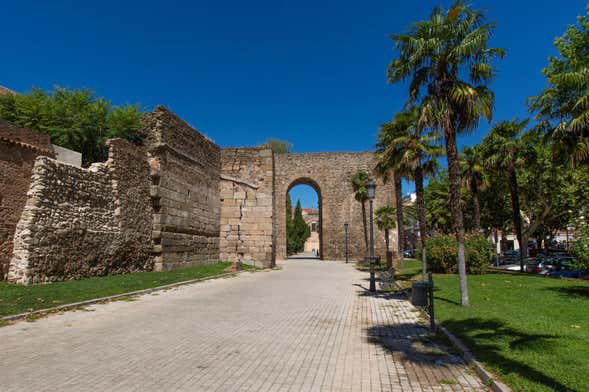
{"type": "Point", "coordinates": [247, 206]}
{"type": "Point", "coordinates": [330, 175]}
{"type": "Point", "coordinates": [185, 170]}
{"type": "Point", "coordinates": [85, 222]}
{"type": "Point", "coordinates": [18, 150]}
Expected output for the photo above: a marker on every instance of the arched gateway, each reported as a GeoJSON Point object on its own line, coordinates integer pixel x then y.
{"type": "Point", "coordinates": [330, 175]}
{"type": "Point", "coordinates": [177, 201]}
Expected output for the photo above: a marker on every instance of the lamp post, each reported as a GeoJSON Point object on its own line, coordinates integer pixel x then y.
{"type": "Point", "coordinates": [370, 191]}
{"type": "Point", "coordinates": [346, 229]}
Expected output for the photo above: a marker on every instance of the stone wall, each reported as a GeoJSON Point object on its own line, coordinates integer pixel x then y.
{"type": "Point", "coordinates": [247, 209]}
{"type": "Point", "coordinates": [85, 222]}
{"type": "Point", "coordinates": [18, 150]}
{"type": "Point", "coordinates": [330, 175]}
{"type": "Point", "coordinates": [185, 170]}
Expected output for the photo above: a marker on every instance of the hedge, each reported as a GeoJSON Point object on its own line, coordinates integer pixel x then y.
{"type": "Point", "coordinates": [442, 254]}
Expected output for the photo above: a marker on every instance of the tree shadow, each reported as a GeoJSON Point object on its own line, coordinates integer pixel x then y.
{"type": "Point", "coordinates": [574, 291]}
{"type": "Point", "coordinates": [414, 343]}
{"type": "Point", "coordinates": [483, 336]}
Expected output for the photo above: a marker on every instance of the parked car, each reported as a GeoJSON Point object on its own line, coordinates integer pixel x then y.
{"type": "Point", "coordinates": [575, 273]}
{"type": "Point", "coordinates": [409, 253]}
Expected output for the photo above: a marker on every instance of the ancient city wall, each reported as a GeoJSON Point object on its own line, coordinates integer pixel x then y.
{"type": "Point", "coordinates": [85, 222]}
{"type": "Point", "coordinates": [330, 175]}
{"type": "Point", "coordinates": [185, 170]}
{"type": "Point", "coordinates": [18, 150]}
{"type": "Point", "coordinates": [247, 209]}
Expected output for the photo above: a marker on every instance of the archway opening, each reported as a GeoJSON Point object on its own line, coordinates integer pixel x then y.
{"type": "Point", "coordinates": [303, 220]}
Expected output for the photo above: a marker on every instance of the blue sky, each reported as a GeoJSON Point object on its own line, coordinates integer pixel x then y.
{"type": "Point", "coordinates": [310, 72]}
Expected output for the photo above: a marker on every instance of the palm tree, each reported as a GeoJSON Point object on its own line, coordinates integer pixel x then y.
{"type": "Point", "coordinates": [413, 153]}
{"type": "Point", "coordinates": [386, 167]}
{"type": "Point", "coordinates": [360, 194]}
{"type": "Point", "coordinates": [563, 107]}
{"type": "Point", "coordinates": [448, 62]}
{"type": "Point", "coordinates": [385, 220]}
{"type": "Point", "coordinates": [502, 150]}
{"type": "Point", "coordinates": [474, 179]}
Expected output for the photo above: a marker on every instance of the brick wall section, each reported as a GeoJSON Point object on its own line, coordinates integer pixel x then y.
{"type": "Point", "coordinates": [185, 169]}
{"type": "Point", "coordinates": [85, 222]}
{"type": "Point", "coordinates": [19, 148]}
{"type": "Point", "coordinates": [247, 209]}
{"type": "Point", "coordinates": [330, 174]}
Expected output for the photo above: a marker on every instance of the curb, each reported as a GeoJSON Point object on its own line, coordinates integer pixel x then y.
{"type": "Point", "coordinates": [485, 375]}
{"type": "Point", "coordinates": [488, 378]}
{"type": "Point", "coordinates": [75, 305]}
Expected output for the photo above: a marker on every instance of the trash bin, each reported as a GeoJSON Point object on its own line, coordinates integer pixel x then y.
{"type": "Point", "coordinates": [419, 293]}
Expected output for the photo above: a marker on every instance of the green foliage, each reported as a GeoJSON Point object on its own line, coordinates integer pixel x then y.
{"type": "Point", "coordinates": [581, 248]}
{"type": "Point", "coordinates": [297, 230]}
{"type": "Point", "coordinates": [359, 185]}
{"type": "Point", "coordinates": [279, 146]}
{"type": "Point", "coordinates": [442, 252]}
{"type": "Point", "coordinates": [74, 119]}
{"type": "Point", "coordinates": [386, 218]}
{"type": "Point", "coordinates": [563, 107]}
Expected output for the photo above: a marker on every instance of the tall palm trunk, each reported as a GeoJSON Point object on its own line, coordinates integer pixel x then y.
{"type": "Point", "coordinates": [420, 201]}
{"type": "Point", "coordinates": [474, 192]}
{"type": "Point", "coordinates": [515, 210]}
{"type": "Point", "coordinates": [365, 227]}
{"type": "Point", "coordinates": [457, 217]}
{"type": "Point", "coordinates": [400, 217]}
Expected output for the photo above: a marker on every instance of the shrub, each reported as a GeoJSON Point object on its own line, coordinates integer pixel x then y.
{"type": "Point", "coordinates": [442, 252]}
{"type": "Point", "coordinates": [581, 248]}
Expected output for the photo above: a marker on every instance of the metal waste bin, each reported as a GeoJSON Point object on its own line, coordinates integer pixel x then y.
{"type": "Point", "coordinates": [420, 293]}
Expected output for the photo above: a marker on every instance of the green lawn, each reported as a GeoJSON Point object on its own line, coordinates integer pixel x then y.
{"type": "Point", "coordinates": [15, 299]}
{"type": "Point", "coordinates": [531, 331]}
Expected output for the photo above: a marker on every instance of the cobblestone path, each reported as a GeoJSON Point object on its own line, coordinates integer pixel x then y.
{"type": "Point", "coordinates": [308, 327]}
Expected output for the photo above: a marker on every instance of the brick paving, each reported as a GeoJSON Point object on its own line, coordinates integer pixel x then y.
{"type": "Point", "coordinates": [308, 327]}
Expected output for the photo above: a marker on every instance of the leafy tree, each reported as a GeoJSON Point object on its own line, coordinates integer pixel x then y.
{"type": "Point", "coordinates": [361, 195]}
{"type": "Point", "coordinates": [449, 63]}
{"type": "Point", "coordinates": [386, 221]}
{"type": "Point", "coordinates": [503, 152]}
{"type": "Point", "coordinates": [415, 154]}
{"type": "Point", "coordinates": [74, 119]}
{"type": "Point", "coordinates": [297, 230]}
{"type": "Point", "coordinates": [563, 107]}
{"type": "Point", "coordinates": [473, 175]}
{"type": "Point", "coordinates": [279, 146]}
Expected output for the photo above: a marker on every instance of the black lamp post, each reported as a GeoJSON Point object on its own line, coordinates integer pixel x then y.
{"type": "Point", "coordinates": [346, 229]}
{"type": "Point", "coordinates": [371, 191]}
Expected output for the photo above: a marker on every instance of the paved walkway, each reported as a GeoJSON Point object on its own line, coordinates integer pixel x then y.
{"type": "Point", "coordinates": [307, 327]}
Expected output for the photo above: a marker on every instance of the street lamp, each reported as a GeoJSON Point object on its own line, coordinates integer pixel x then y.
{"type": "Point", "coordinates": [370, 192]}
{"type": "Point", "coordinates": [346, 229]}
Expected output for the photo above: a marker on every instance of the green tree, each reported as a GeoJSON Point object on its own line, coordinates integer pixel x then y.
{"type": "Point", "coordinates": [503, 152]}
{"type": "Point", "coordinates": [563, 107]}
{"type": "Point", "coordinates": [386, 220]}
{"type": "Point", "coordinates": [279, 146]}
{"type": "Point", "coordinates": [474, 178]}
{"type": "Point", "coordinates": [361, 195]}
{"type": "Point", "coordinates": [449, 63]}
{"type": "Point", "coordinates": [74, 119]}
{"type": "Point", "coordinates": [413, 153]}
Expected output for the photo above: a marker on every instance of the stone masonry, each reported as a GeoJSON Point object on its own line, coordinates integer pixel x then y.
{"type": "Point", "coordinates": [247, 208]}
{"type": "Point", "coordinates": [177, 201]}
{"type": "Point", "coordinates": [185, 170]}
{"type": "Point", "coordinates": [330, 175]}
{"type": "Point", "coordinates": [85, 222]}
{"type": "Point", "coordinates": [19, 148]}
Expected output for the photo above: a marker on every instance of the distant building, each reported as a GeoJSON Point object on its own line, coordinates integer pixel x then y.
{"type": "Point", "coordinates": [311, 217]}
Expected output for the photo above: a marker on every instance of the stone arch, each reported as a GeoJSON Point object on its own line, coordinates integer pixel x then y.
{"type": "Point", "coordinates": [313, 184]}
{"type": "Point", "coordinates": [331, 173]}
